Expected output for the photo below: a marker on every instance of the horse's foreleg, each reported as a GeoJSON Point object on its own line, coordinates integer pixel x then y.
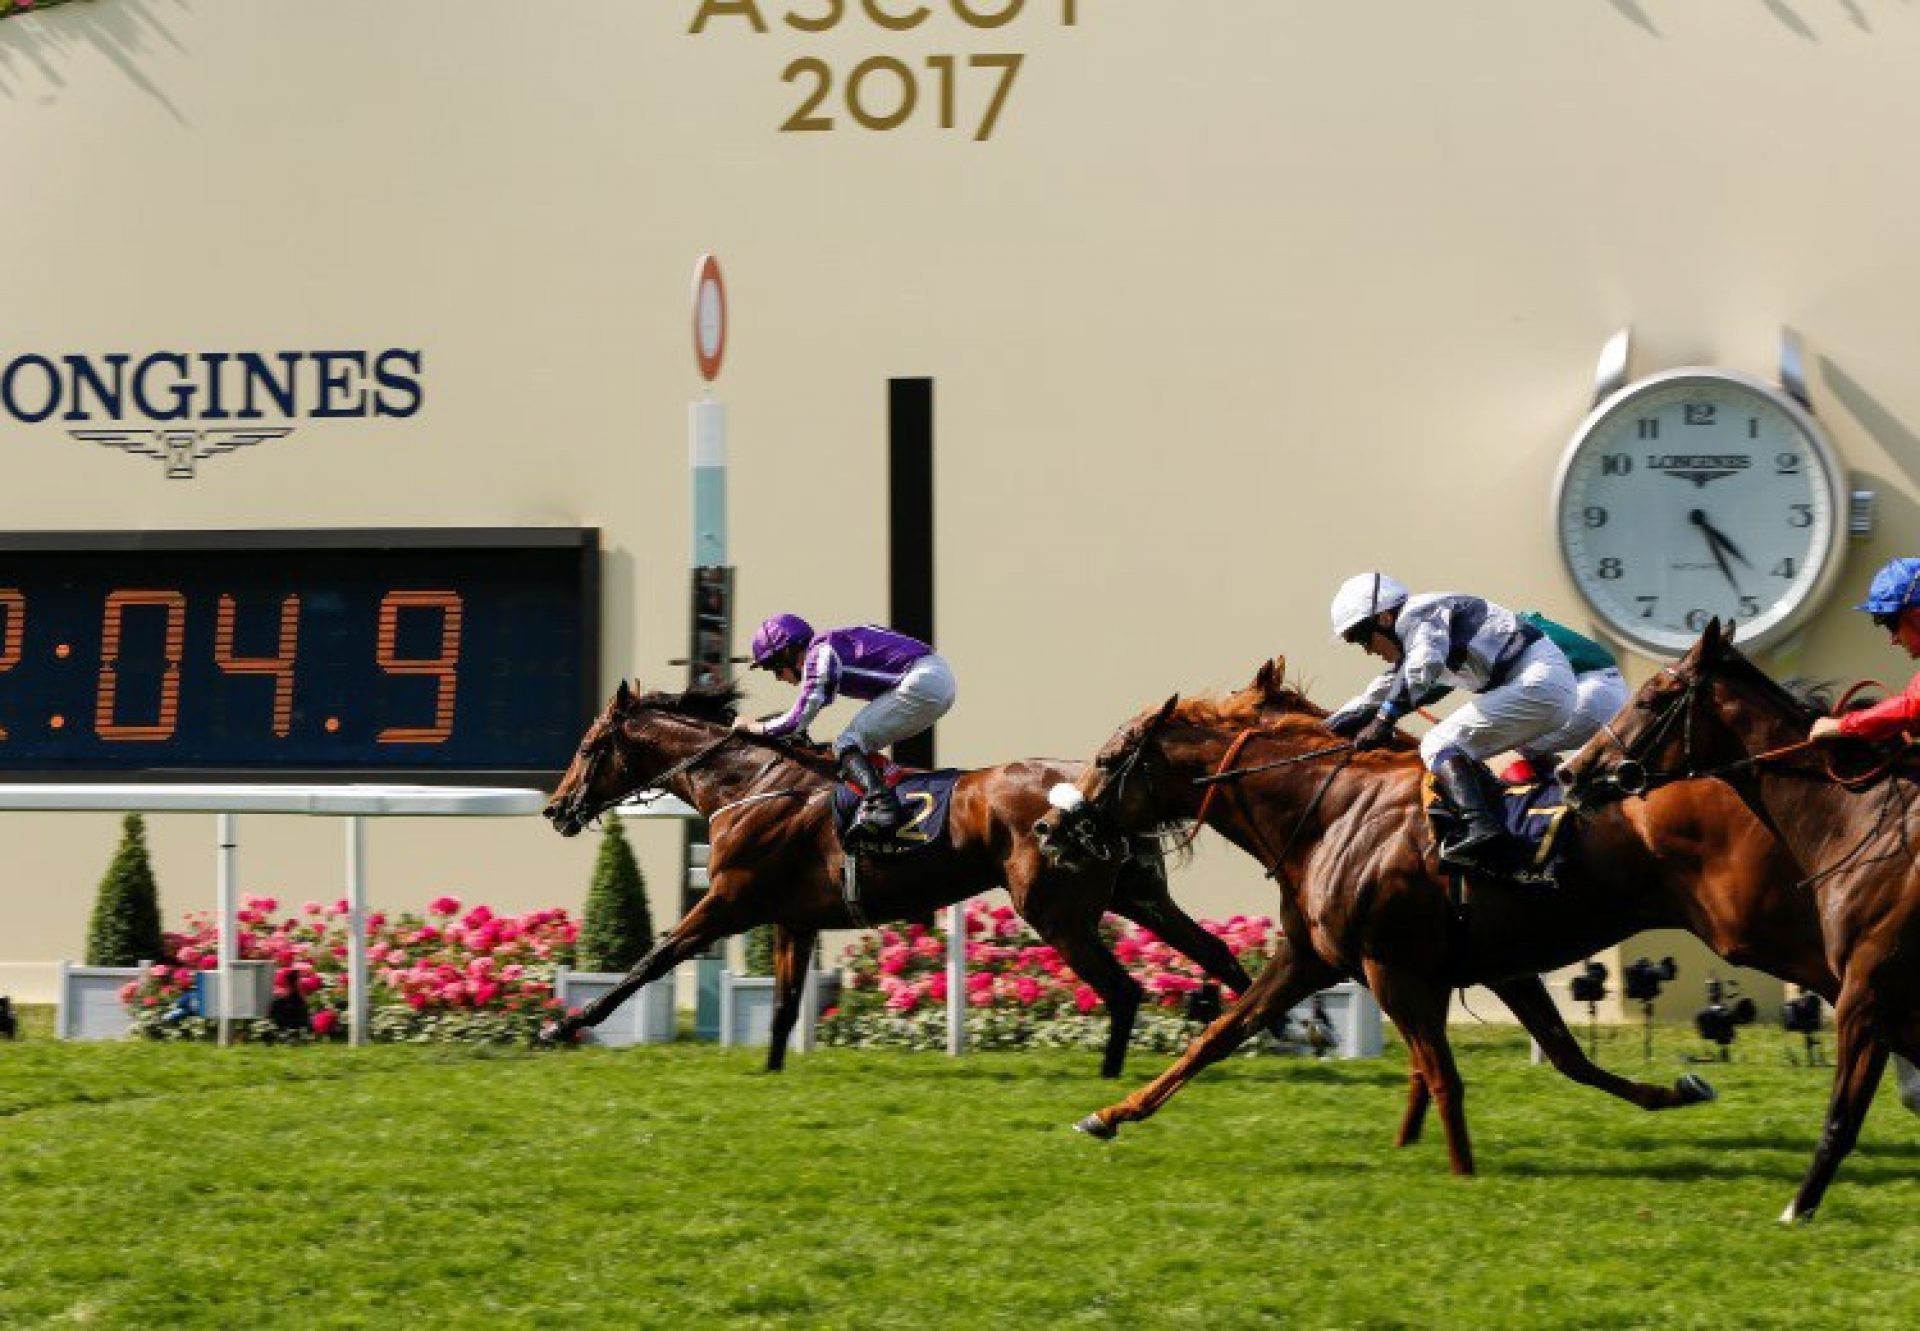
{"type": "Point", "coordinates": [1287, 978]}
{"type": "Point", "coordinates": [1103, 973]}
{"type": "Point", "coordinates": [1183, 933]}
{"type": "Point", "coordinates": [792, 955]}
{"type": "Point", "coordinates": [709, 921]}
{"type": "Point", "coordinates": [1858, 1063]}
{"type": "Point", "coordinates": [1420, 1011]}
{"type": "Point", "coordinates": [1527, 999]}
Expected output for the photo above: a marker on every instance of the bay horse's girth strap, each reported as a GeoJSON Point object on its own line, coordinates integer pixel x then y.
{"type": "Point", "coordinates": [850, 888]}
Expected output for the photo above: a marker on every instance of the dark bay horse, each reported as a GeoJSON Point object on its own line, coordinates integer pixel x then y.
{"type": "Point", "coordinates": [776, 858]}
{"type": "Point", "coordinates": [1346, 838]}
{"type": "Point", "coordinates": [1715, 725]}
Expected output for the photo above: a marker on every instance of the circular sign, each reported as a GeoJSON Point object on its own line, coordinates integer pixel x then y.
{"type": "Point", "coordinates": [709, 317]}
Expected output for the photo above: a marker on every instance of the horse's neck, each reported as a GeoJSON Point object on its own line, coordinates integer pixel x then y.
{"type": "Point", "coordinates": [738, 771]}
{"type": "Point", "coordinates": [1817, 819]}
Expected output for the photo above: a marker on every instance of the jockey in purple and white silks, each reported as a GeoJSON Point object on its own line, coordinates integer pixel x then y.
{"type": "Point", "coordinates": [908, 685]}
{"type": "Point", "coordinates": [1524, 688]}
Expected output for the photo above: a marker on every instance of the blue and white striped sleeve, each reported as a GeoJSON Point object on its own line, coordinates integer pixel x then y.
{"type": "Point", "coordinates": [819, 684]}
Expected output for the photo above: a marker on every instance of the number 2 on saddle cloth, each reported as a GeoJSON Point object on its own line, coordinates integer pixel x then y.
{"type": "Point", "coordinates": [1533, 814]}
{"type": "Point", "coordinates": [924, 795]}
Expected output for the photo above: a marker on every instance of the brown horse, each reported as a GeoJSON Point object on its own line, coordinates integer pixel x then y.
{"type": "Point", "coordinates": [1716, 724]}
{"type": "Point", "coordinates": [1362, 896]}
{"type": "Point", "coordinates": [776, 858]}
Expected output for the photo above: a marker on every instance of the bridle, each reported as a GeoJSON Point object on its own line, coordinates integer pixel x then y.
{"type": "Point", "coordinates": [594, 750]}
{"type": "Point", "coordinates": [1631, 775]}
{"type": "Point", "coordinates": [1097, 827]}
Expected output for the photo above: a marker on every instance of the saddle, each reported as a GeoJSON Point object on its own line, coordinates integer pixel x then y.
{"type": "Point", "coordinates": [925, 796]}
{"type": "Point", "coordinates": [1533, 813]}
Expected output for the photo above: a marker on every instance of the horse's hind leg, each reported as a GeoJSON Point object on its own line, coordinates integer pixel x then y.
{"type": "Point", "coordinates": [1527, 999]}
{"type": "Point", "coordinates": [792, 953]}
{"type": "Point", "coordinates": [1286, 979]}
{"type": "Point", "coordinates": [1418, 1098]}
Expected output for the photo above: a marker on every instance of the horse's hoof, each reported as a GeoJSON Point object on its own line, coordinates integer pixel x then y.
{"type": "Point", "coordinates": [1096, 1127]}
{"type": "Point", "coordinates": [552, 1036]}
{"type": "Point", "coordinates": [1695, 1090]}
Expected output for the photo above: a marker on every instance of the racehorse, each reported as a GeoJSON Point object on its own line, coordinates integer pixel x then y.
{"type": "Point", "coordinates": [1361, 893]}
{"type": "Point", "coordinates": [1715, 725]}
{"type": "Point", "coordinates": [776, 858]}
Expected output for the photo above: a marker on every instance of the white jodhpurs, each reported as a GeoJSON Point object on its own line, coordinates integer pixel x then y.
{"type": "Point", "coordinates": [1536, 700]}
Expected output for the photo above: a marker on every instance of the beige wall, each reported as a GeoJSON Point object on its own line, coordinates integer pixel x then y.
{"type": "Point", "coordinates": [1240, 298]}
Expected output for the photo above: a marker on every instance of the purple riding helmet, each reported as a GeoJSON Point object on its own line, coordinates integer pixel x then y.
{"type": "Point", "coordinates": [776, 635]}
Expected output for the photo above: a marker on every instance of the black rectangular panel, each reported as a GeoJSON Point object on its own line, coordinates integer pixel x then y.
{"type": "Point", "coordinates": [416, 654]}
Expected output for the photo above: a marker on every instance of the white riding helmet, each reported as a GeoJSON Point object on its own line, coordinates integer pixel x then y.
{"type": "Point", "coordinates": [1363, 596]}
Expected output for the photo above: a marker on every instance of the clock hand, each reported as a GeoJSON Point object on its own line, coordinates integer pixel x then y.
{"type": "Point", "coordinates": [1714, 540]}
{"type": "Point", "coordinates": [1721, 539]}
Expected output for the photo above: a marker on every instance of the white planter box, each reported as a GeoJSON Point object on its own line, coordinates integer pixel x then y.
{"type": "Point", "coordinates": [1354, 1016]}
{"type": "Point", "coordinates": [746, 1009]}
{"type": "Point", "coordinates": [646, 1018]}
{"type": "Point", "coordinates": [90, 1007]}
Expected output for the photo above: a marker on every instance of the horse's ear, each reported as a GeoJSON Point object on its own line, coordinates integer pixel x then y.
{"type": "Point", "coordinates": [1166, 710]}
{"type": "Point", "coordinates": [1267, 681]}
{"type": "Point", "coordinates": [1714, 637]}
{"type": "Point", "coordinates": [622, 696]}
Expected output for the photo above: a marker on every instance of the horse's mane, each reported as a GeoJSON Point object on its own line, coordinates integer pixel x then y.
{"type": "Point", "coordinates": [716, 703]}
{"type": "Point", "coordinates": [1799, 697]}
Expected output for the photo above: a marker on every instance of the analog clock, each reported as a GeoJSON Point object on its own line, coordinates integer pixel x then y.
{"type": "Point", "coordinates": [1696, 493]}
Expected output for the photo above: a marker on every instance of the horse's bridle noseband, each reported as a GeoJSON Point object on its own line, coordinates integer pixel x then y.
{"type": "Point", "coordinates": [575, 810]}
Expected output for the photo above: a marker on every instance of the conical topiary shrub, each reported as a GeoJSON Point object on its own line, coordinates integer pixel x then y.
{"type": "Point", "coordinates": [125, 930]}
{"type": "Point", "coordinates": [617, 928]}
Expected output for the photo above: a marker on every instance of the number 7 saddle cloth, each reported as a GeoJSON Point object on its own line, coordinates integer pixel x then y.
{"type": "Point", "coordinates": [1534, 814]}
{"type": "Point", "coordinates": [923, 795]}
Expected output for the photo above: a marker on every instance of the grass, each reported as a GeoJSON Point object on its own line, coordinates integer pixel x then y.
{"type": "Point", "coordinates": [160, 1185]}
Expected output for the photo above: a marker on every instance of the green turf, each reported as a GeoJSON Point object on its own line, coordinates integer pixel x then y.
{"type": "Point", "coordinates": [150, 1186]}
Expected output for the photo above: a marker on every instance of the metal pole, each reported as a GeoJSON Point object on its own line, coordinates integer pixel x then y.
{"type": "Point", "coordinates": [224, 875]}
{"type": "Point", "coordinates": [357, 1006]}
{"type": "Point", "coordinates": [957, 979]}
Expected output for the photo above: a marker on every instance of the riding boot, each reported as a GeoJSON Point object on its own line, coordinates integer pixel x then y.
{"type": "Point", "coordinates": [1459, 781]}
{"type": "Point", "coordinates": [880, 810]}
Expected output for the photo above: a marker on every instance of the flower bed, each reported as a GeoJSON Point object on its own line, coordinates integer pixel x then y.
{"type": "Point", "coordinates": [1020, 993]}
{"type": "Point", "coordinates": [450, 975]}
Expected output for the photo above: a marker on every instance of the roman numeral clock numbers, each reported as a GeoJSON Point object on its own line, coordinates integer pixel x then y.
{"type": "Point", "coordinates": [1693, 494]}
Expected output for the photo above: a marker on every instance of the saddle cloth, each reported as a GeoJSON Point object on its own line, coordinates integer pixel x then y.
{"type": "Point", "coordinates": [925, 797]}
{"type": "Point", "coordinates": [1533, 814]}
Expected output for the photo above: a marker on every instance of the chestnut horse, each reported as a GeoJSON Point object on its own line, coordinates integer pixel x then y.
{"type": "Point", "coordinates": [1362, 895]}
{"type": "Point", "coordinates": [1715, 726]}
{"type": "Point", "coordinates": [776, 858]}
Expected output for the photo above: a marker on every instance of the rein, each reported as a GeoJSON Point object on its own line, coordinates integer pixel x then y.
{"type": "Point", "coordinates": [1228, 773]}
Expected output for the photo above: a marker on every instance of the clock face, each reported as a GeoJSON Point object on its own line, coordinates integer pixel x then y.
{"type": "Point", "coordinates": [1695, 494]}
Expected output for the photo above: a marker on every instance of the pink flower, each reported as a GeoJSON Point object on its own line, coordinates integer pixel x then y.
{"type": "Point", "coordinates": [1085, 999]}
{"type": "Point", "coordinates": [443, 906]}
{"type": "Point", "coordinates": [324, 1021]}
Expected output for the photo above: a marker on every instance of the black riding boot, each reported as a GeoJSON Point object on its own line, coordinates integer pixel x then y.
{"type": "Point", "coordinates": [880, 811]}
{"type": "Point", "coordinates": [1460, 782]}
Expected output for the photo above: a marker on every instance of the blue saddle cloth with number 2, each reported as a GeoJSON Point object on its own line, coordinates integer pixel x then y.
{"type": "Point", "coordinates": [925, 797]}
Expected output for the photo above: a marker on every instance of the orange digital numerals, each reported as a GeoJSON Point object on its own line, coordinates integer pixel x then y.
{"type": "Point", "coordinates": [118, 603]}
{"type": "Point", "coordinates": [445, 666]}
{"type": "Point", "coordinates": [14, 605]}
{"type": "Point", "coordinates": [280, 667]}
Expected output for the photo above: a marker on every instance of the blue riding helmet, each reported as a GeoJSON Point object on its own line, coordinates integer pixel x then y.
{"type": "Point", "coordinates": [1895, 588]}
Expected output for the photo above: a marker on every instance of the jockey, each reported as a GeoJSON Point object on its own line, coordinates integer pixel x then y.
{"type": "Point", "coordinates": [1599, 692]}
{"type": "Point", "coordinates": [1894, 602]}
{"type": "Point", "coordinates": [1525, 688]}
{"type": "Point", "coordinates": [908, 686]}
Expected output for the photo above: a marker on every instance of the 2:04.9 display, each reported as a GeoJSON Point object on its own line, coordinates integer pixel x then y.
{"type": "Point", "coordinates": [274, 657]}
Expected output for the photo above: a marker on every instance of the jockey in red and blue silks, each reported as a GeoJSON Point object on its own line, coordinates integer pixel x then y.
{"type": "Point", "coordinates": [908, 685]}
{"type": "Point", "coordinates": [1894, 602]}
